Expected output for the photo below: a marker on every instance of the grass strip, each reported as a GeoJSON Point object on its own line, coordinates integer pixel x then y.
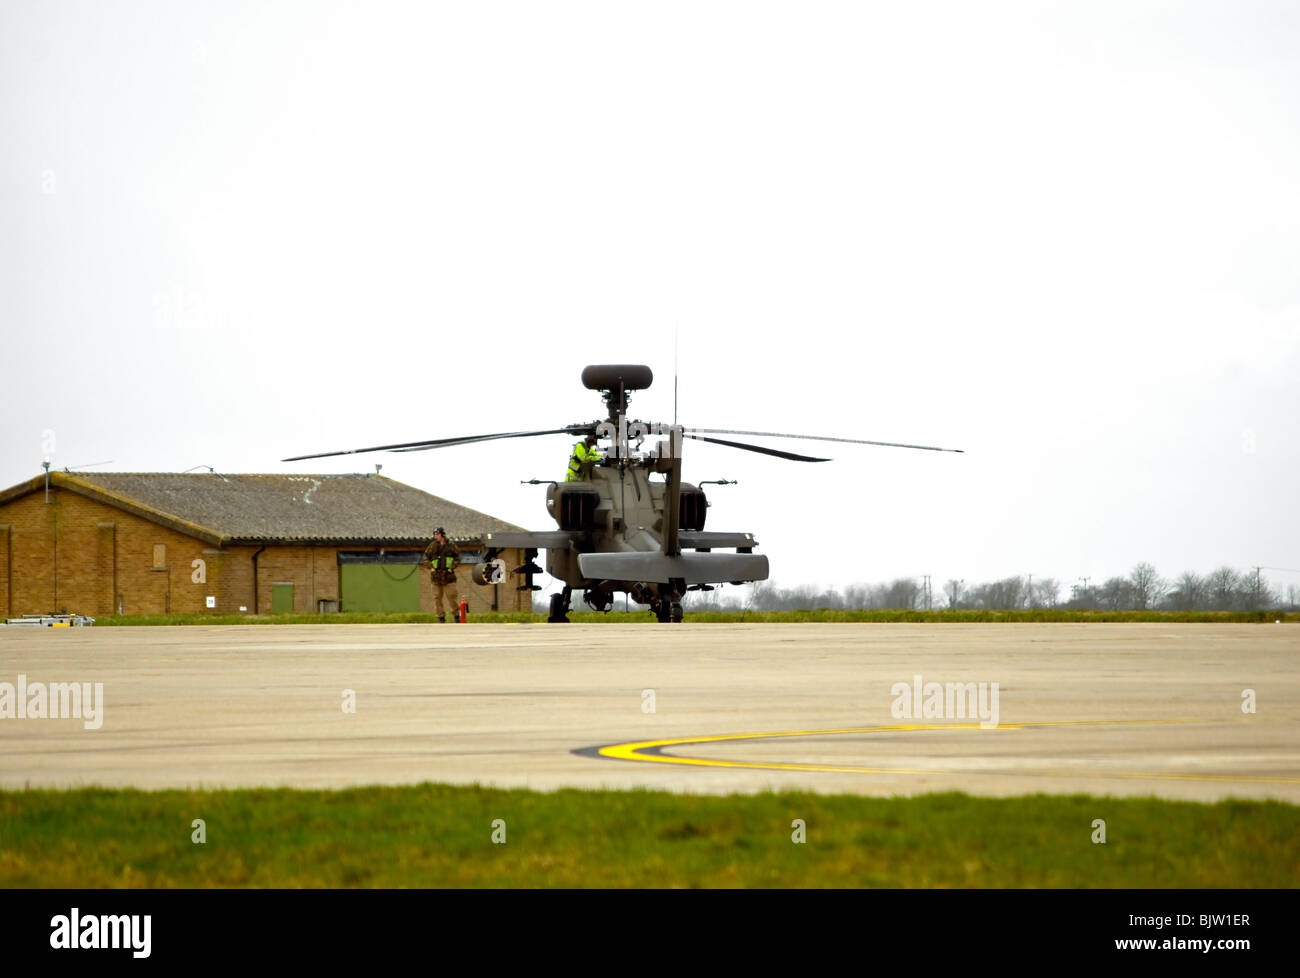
{"type": "Point", "coordinates": [434, 835]}
{"type": "Point", "coordinates": [817, 615]}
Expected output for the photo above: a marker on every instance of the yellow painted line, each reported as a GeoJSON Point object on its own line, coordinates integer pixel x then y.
{"type": "Point", "coordinates": [635, 751]}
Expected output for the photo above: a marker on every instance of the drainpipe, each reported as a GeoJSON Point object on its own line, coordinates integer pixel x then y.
{"type": "Point", "coordinates": [257, 554]}
{"type": "Point", "coordinates": [54, 537]}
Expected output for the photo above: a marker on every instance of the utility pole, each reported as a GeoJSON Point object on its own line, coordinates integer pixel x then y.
{"type": "Point", "coordinates": [1029, 598]}
{"type": "Point", "coordinates": [1085, 587]}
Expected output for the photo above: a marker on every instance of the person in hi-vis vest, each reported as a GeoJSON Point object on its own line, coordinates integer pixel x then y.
{"type": "Point", "coordinates": [584, 456]}
{"type": "Point", "coordinates": [442, 556]}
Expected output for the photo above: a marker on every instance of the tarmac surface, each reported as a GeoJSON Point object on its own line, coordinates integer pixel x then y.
{"type": "Point", "coordinates": [1107, 709]}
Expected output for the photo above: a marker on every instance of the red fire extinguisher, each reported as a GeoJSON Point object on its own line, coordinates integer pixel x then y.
{"type": "Point", "coordinates": [464, 611]}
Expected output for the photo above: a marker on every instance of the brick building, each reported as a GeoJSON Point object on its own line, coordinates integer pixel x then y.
{"type": "Point", "coordinates": [153, 543]}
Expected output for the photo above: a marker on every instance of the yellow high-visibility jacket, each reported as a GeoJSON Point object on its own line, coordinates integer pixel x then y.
{"type": "Point", "coordinates": [442, 560]}
{"type": "Point", "coordinates": [581, 454]}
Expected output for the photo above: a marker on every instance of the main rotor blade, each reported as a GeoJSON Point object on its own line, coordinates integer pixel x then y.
{"type": "Point", "coordinates": [420, 446]}
{"type": "Point", "coordinates": [853, 441]}
{"type": "Point", "coordinates": [471, 439]}
{"type": "Point", "coordinates": [758, 448]}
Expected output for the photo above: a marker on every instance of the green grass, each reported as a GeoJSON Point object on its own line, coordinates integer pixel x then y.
{"type": "Point", "coordinates": [818, 615]}
{"type": "Point", "coordinates": [438, 835]}
{"type": "Point", "coordinates": [337, 618]}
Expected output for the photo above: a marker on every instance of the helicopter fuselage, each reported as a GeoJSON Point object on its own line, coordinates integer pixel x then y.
{"type": "Point", "coordinates": [624, 539]}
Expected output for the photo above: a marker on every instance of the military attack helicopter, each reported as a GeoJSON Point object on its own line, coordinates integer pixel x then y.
{"type": "Point", "coordinates": [619, 530]}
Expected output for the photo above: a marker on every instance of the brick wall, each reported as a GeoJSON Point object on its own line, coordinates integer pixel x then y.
{"type": "Point", "coordinates": [84, 556]}
{"type": "Point", "coordinates": [88, 557]}
{"type": "Point", "coordinates": [4, 570]}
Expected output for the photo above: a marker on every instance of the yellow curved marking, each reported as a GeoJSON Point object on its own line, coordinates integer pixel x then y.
{"type": "Point", "coordinates": [633, 751]}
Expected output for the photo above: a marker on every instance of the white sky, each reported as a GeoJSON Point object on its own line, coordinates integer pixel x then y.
{"type": "Point", "coordinates": [1060, 236]}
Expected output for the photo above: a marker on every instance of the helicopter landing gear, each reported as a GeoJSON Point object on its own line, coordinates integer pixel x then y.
{"type": "Point", "coordinates": [560, 606]}
{"type": "Point", "coordinates": [669, 611]}
{"type": "Point", "coordinates": [597, 599]}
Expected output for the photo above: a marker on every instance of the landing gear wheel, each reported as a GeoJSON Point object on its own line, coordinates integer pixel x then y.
{"type": "Point", "coordinates": [675, 613]}
{"type": "Point", "coordinates": [663, 611]}
{"type": "Point", "coordinates": [559, 609]}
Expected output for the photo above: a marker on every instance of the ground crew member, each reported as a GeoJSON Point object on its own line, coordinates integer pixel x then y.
{"type": "Point", "coordinates": [442, 556]}
{"type": "Point", "coordinates": [583, 458]}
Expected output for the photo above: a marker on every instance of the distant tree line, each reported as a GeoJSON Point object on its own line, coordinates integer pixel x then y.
{"type": "Point", "coordinates": [1143, 589]}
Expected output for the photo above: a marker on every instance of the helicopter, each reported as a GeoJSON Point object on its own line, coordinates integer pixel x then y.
{"type": "Point", "coordinates": [618, 530]}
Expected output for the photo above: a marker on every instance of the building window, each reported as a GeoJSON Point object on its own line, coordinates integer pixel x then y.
{"type": "Point", "coordinates": [159, 556]}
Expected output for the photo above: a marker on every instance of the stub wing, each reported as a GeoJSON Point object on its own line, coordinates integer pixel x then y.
{"type": "Point", "coordinates": [524, 539]}
{"type": "Point", "coordinates": [658, 568]}
{"type": "Point", "coordinates": [708, 539]}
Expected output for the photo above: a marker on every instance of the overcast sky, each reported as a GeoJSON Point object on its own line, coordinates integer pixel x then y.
{"type": "Point", "coordinates": [1063, 237]}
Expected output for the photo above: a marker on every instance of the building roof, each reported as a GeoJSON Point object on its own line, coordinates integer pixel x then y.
{"type": "Point", "coordinates": [233, 509]}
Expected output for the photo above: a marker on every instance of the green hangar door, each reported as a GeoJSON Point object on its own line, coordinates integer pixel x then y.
{"type": "Point", "coordinates": [380, 580]}
{"type": "Point", "coordinates": [282, 598]}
